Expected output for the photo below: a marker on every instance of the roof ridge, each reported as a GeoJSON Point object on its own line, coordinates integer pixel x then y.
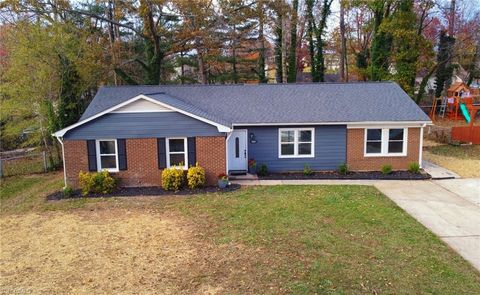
{"type": "Point", "coordinates": [247, 84]}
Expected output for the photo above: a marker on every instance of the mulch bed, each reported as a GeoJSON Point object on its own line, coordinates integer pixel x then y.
{"type": "Point", "coordinates": [396, 175]}
{"type": "Point", "coordinates": [143, 191]}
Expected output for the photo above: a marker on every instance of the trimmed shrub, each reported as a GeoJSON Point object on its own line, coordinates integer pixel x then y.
{"type": "Point", "coordinates": [414, 167]}
{"type": "Point", "coordinates": [263, 170]}
{"type": "Point", "coordinates": [96, 182]}
{"type": "Point", "coordinates": [172, 179]}
{"type": "Point", "coordinates": [307, 171]}
{"type": "Point", "coordinates": [343, 169]}
{"type": "Point", "coordinates": [68, 191]}
{"type": "Point", "coordinates": [195, 177]}
{"type": "Point", "coordinates": [386, 169]}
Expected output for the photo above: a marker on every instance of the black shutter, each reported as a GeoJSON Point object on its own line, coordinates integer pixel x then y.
{"type": "Point", "coordinates": [162, 153]}
{"type": "Point", "coordinates": [122, 154]}
{"type": "Point", "coordinates": [192, 153]}
{"type": "Point", "coordinates": [92, 155]}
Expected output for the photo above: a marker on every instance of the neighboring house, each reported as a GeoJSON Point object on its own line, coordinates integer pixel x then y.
{"type": "Point", "coordinates": [136, 131]}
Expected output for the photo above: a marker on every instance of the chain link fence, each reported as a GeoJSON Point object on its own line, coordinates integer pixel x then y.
{"type": "Point", "coordinates": [21, 163]}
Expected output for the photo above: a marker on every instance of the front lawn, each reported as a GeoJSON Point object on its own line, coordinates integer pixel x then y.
{"type": "Point", "coordinates": [256, 240]}
{"type": "Point", "coordinates": [335, 239]}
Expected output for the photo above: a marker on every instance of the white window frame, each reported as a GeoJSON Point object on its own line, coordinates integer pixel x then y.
{"type": "Point", "coordinates": [296, 143]}
{"type": "Point", "coordinates": [99, 156]}
{"type": "Point", "coordinates": [384, 145]}
{"type": "Point", "coordinates": [167, 151]}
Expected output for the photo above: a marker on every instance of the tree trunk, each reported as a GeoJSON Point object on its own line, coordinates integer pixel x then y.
{"type": "Point", "coordinates": [310, 33]}
{"type": "Point", "coordinates": [343, 43]}
{"type": "Point", "coordinates": [278, 49]}
{"type": "Point", "coordinates": [201, 67]}
{"type": "Point", "coordinates": [234, 55]}
{"type": "Point", "coordinates": [261, 64]}
{"type": "Point", "coordinates": [284, 52]}
{"type": "Point", "coordinates": [451, 20]}
{"type": "Point", "coordinates": [292, 56]}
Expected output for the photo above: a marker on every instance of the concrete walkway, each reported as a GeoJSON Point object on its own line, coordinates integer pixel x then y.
{"type": "Point", "coordinates": [449, 208]}
{"type": "Point", "coordinates": [438, 172]}
{"type": "Point", "coordinates": [467, 188]}
{"type": "Point", "coordinates": [452, 217]}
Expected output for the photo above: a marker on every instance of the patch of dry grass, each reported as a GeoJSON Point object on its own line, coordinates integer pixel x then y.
{"type": "Point", "coordinates": [118, 251]}
{"type": "Point", "coordinates": [463, 160]}
{"type": "Point", "coordinates": [463, 167]}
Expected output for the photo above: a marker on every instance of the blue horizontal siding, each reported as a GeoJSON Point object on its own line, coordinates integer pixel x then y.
{"type": "Point", "coordinates": [330, 149]}
{"type": "Point", "coordinates": [142, 125]}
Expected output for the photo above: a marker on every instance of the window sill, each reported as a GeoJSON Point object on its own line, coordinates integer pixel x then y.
{"type": "Point", "coordinates": [296, 157]}
{"type": "Point", "coordinates": [384, 155]}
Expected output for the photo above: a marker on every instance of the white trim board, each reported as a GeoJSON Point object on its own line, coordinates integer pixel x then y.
{"type": "Point", "coordinates": [61, 133]}
{"type": "Point", "coordinates": [350, 125]}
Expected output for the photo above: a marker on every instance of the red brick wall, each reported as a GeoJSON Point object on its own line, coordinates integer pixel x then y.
{"type": "Point", "coordinates": [142, 164]}
{"type": "Point", "coordinates": [76, 160]}
{"type": "Point", "coordinates": [357, 161]}
{"type": "Point", "coordinates": [142, 161]}
{"type": "Point", "coordinates": [211, 155]}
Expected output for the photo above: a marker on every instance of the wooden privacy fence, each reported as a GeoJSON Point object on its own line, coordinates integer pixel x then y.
{"type": "Point", "coordinates": [23, 164]}
{"type": "Point", "coordinates": [466, 134]}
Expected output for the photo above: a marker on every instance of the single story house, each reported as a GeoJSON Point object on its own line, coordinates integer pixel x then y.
{"type": "Point", "coordinates": [136, 131]}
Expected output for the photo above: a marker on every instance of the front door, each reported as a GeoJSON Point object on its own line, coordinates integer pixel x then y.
{"type": "Point", "coordinates": [237, 150]}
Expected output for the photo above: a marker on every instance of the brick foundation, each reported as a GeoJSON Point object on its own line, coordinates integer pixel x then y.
{"type": "Point", "coordinates": [142, 161]}
{"type": "Point", "coordinates": [357, 161]}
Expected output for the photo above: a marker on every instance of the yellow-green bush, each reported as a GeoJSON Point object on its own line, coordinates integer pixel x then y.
{"type": "Point", "coordinates": [195, 177]}
{"type": "Point", "coordinates": [172, 178]}
{"type": "Point", "coordinates": [96, 182]}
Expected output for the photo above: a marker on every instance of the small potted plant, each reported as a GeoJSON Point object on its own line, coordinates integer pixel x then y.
{"type": "Point", "coordinates": [252, 166]}
{"type": "Point", "coordinates": [222, 180]}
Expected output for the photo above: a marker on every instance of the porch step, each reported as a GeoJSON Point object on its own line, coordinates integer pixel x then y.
{"type": "Point", "coordinates": [237, 172]}
{"type": "Point", "coordinates": [245, 176]}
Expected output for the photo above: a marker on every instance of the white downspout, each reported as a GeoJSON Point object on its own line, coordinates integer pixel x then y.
{"type": "Point", "coordinates": [63, 159]}
{"type": "Point", "coordinates": [420, 152]}
{"type": "Point", "coordinates": [226, 149]}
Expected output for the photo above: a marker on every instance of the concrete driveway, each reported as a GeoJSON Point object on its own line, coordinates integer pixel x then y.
{"type": "Point", "coordinates": [449, 208]}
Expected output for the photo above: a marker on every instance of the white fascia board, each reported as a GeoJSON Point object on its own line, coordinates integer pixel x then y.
{"type": "Point", "coordinates": [403, 124]}
{"type": "Point", "coordinates": [61, 133]}
{"type": "Point", "coordinates": [350, 125]}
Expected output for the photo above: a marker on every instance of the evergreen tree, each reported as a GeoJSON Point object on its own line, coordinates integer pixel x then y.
{"type": "Point", "coordinates": [381, 43]}
{"type": "Point", "coordinates": [406, 43]}
{"type": "Point", "coordinates": [444, 69]}
{"type": "Point", "coordinates": [70, 106]}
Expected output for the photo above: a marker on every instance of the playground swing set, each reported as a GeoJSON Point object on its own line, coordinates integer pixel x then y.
{"type": "Point", "coordinates": [459, 105]}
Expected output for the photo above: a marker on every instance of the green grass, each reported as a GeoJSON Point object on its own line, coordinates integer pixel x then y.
{"type": "Point", "coordinates": [334, 239]}
{"type": "Point", "coordinates": [24, 193]}
{"type": "Point", "coordinates": [461, 151]}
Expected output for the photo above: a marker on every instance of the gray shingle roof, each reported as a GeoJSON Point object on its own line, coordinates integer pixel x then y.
{"type": "Point", "coordinates": [275, 103]}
